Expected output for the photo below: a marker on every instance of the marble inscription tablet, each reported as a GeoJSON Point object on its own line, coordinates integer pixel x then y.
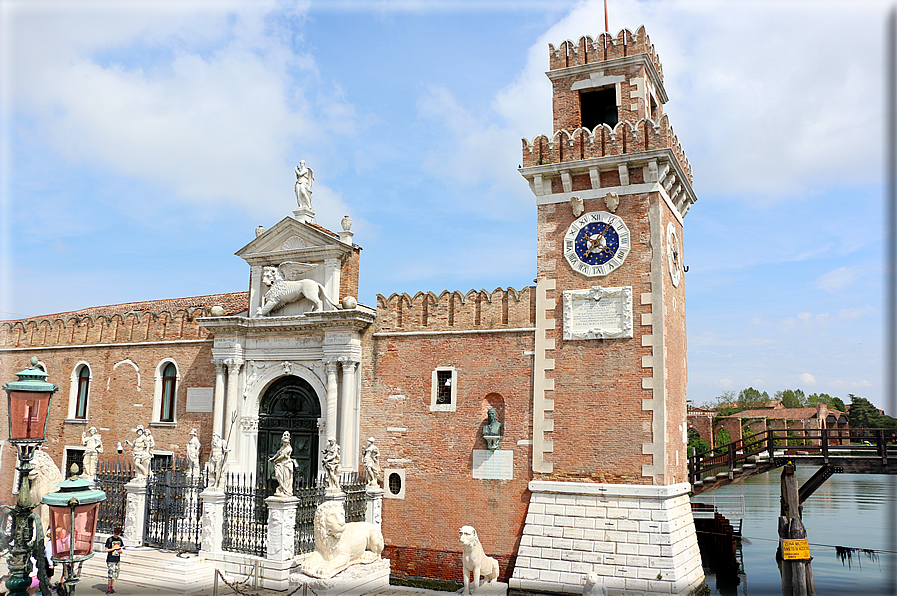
{"type": "Point", "coordinates": [199, 399]}
{"type": "Point", "coordinates": [493, 465]}
{"type": "Point", "coordinates": [598, 313]}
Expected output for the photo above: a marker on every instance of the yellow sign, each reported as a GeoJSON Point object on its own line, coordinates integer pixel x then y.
{"type": "Point", "coordinates": [795, 549]}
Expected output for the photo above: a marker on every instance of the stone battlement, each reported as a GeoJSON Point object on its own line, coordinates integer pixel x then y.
{"type": "Point", "coordinates": [604, 47]}
{"type": "Point", "coordinates": [624, 138]}
{"type": "Point", "coordinates": [477, 309]}
{"type": "Point", "coordinates": [125, 323]}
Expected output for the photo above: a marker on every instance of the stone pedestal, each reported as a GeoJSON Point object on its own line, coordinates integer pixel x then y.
{"type": "Point", "coordinates": [281, 541]}
{"type": "Point", "coordinates": [135, 512]}
{"type": "Point", "coordinates": [637, 538]}
{"type": "Point", "coordinates": [373, 511]}
{"type": "Point", "coordinates": [212, 521]}
{"type": "Point", "coordinates": [357, 579]}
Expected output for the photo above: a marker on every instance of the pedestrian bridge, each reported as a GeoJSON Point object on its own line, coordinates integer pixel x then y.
{"type": "Point", "coordinates": [849, 451]}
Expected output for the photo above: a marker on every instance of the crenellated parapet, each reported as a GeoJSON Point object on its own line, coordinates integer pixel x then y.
{"type": "Point", "coordinates": [477, 309]}
{"type": "Point", "coordinates": [603, 141]}
{"type": "Point", "coordinates": [588, 50]}
{"type": "Point", "coordinates": [131, 323]}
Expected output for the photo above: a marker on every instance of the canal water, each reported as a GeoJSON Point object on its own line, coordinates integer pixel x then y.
{"type": "Point", "coordinates": [848, 510]}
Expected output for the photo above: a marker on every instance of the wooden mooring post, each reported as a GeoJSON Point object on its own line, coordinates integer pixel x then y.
{"type": "Point", "coordinates": [797, 572]}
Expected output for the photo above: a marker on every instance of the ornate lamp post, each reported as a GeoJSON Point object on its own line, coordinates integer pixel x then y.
{"type": "Point", "coordinates": [28, 400]}
{"type": "Point", "coordinates": [73, 524]}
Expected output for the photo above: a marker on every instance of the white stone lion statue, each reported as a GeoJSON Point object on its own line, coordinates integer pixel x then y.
{"type": "Point", "coordinates": [44, 478]}
{"type": "Point", "coordinates": [474, 559]}
{"type": "Point", "coordinates": [283, 291]}
{"type": "Point", "coordinates": [339, 545]}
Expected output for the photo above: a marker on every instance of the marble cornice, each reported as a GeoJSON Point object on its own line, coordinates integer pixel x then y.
{"type": "Point", "coordinates": [356, 320]}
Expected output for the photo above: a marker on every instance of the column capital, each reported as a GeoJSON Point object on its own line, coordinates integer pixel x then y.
{"type": "Point", "coordinates": [330, 366]}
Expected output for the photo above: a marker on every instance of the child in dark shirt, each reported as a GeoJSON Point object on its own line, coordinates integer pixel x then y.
{"type": "Point", "coordinates": [114, 546]}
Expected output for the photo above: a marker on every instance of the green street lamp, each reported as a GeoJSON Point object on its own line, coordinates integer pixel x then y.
{"type": "Point", "coordinates": [28, 400]}
{"type": "Point", "coordinates": [73, 524]}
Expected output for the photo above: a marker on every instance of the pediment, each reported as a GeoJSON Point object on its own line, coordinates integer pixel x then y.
{"type": "Point", "coordinates": [292, 240]}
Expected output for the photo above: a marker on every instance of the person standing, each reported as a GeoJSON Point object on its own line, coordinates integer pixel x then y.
{"type": "Point", "coordinates": [114, 546]}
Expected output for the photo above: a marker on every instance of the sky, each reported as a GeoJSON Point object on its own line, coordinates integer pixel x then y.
{"type": "Point", "coordinates": [141, 144]}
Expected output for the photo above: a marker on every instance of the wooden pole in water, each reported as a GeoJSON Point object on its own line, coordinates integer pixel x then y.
{"type": "Point", "coordinates": [797, 573]}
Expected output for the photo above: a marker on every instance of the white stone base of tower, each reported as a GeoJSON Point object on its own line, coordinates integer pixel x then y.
{"type": "Point", "coordinates": [637, 538]}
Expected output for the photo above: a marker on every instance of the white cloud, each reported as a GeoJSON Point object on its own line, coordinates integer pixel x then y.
{"type": "Point", "coordinates": [851, 314]}
{"type": "Point", "coordinates": [215, 99]}
{"type": "Point", "coordinates": [837, 279]}
{"type": "Point", "coordinates": [725, 383]}
{"type": "Point", "coordinates": [807, 379]}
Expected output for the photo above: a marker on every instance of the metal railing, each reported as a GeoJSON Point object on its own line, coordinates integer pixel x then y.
{"type": "Point", "coordinates": [731, 506]}
{"type": "Point", "coordinates": [111, 477]}
{"type": "Point", "coordinates": [245, 523]}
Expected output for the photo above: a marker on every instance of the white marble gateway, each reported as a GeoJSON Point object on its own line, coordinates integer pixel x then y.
{"type": "Point", "coordinates": [598, 313]}
{"type": "Point", "coordinates": [638, 539]}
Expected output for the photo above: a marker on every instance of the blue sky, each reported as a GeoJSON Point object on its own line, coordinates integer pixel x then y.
{"type": "Point", "coordinates": [143, 142]}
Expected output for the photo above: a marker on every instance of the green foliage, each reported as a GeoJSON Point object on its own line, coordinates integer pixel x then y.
{"type": "Point", "coordinates": [722, 440]}
{"type": "Point", "coordinates": [863, 414]}
{"type": "Point", "coordinates": [695, 443]}
{"type": "Point", "coordinates": [751, 398]}
{"type": "Point", "coordinates": [792, 398]}
{"type": "Point", "coordinates": [751, 442]}
{"type": "Point", "coordinates": [793, 442]}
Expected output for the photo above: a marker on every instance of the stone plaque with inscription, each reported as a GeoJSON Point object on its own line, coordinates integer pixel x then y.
{"type": "Point", "coordinates": [598, 313]}
{"type": "Point", "coordinates": [199, 399]}
{"type": "Point", "coordinates": [493, 465]}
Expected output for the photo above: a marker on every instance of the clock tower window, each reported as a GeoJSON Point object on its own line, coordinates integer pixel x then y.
{"type": "Point", "coordinates": [598, 107]}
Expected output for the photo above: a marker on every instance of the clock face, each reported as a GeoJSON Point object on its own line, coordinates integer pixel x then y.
{"type": "Point", "coordinates": [596, 243]}
{"type": "Point", "coordinates": [673, 259]}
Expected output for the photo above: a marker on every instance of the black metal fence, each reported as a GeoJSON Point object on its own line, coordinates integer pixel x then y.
{"type": "Point", "coordinates": [309, 499]}
{"type": "Point", "coordinates": [245, 524]}
{"type": "Point", "coordinates": [111, 477]}
{"type": "Point", "coordinates": [353, 485]}
{"type": "Point", "coordinates": [173, 506]}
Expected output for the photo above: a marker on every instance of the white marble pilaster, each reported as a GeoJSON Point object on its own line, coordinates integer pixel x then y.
{"type": "Point", "coordinates": [212, 522]}
{"type": "Point", "coordinates": [348, 433]}
{"type": "Point", "coordinates": [332, 276]}
{"type": "Point", "coordinates": [373, 512]}
{"type": "Point", "coordinates": [218, 406]}
{"type": "Point", "coordinates": [135, 512]}
{"type": "Point", "coordinates": [249, 433]}
{"type": "Point", "coordinates": [233, 409]}
{"type": "Point", "coordinates": [330, 428]}
{"type": "Point", "coordinates": [281, 541]}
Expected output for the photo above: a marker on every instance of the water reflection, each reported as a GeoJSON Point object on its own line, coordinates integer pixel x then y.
{"type": "Point", "coordinates": [849, 510]}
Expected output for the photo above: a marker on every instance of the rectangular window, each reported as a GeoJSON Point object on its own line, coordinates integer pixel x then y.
{"type": "Point", "coordinates": [444, 390]}
{"type": "Point", "coordinates": [598, 107]}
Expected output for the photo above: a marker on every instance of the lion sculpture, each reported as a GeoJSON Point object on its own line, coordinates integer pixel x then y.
{"type": "Point", "coordinates": [283, 289]}
{"type": "Point", "coordinates": [44, 478]}
{"type": "Point", "coordinates": [339, 545]}
{"type": "Point", "coordinates": [474, 559]}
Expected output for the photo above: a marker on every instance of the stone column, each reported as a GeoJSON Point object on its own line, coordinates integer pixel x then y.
{"type": "Point", "coordinates": [218, 404]}
{"type": "Point", "coordinates": [348, 433]}
{"type": "Point", "coordinates": [373, 512]}
{"type": "Point", "coordinates": [281, 541]}
{"type": "Point", "coordinates": [135, 512]}
{"type": "Point", "coordinates": [212, 522]}
{"type": "Point", "coordinates": [249, 427]}
{"type": "Point", "coordinates": [330, 367]}
{"type": "Point", "coordinates": [233, 409]}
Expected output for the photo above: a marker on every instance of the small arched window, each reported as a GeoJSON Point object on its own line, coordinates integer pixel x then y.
{"type": "Point", "coordinates": [83, 391]}
{"type": "Point", "coordinates": [169, 392]}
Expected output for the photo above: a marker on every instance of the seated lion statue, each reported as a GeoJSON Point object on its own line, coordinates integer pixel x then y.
{"type": "Point", "coordinates": [339, 545]}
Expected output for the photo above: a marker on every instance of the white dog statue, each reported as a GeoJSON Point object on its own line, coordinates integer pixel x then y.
{"type": "Point", "coordinates": [474, 560]}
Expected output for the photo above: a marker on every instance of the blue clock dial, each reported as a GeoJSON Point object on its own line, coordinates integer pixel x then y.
{"type": "Point", "coordinates": [596, 243]}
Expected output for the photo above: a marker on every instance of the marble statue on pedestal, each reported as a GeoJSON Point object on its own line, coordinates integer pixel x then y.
{"type": "Point", "coordinates": [331, 466]}
{"type": "Point", "coordinates": [93, 447]}
{"type": "Point", "coordinates": [193, 449]}
{"type": "Point", "coordinates": [339, 545]}
{"type": "Point", "coordinates": [305, 178]}
{"type": "Point", "coordinates": [216, 461]}
{"type": "Point", "coordinates": [283, 467]}
{"type": "Point", "coordinates": [474, 560]}
{"type": "Point", "coordinates": [141, 454]}
{"type": "Point", "coordinates": [370, 461]}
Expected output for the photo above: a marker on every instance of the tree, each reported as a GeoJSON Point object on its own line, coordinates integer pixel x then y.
{"type": "Point", "coordinates": [751, 398]}
{"type": "Point", "coordinates": [723, 438]}
{"type": "Point", "coordinates": [862, 413]}
{"type": "Point", "coordinates": [834, 403]}
{"type": "Point", "coordinates": [792, 398]}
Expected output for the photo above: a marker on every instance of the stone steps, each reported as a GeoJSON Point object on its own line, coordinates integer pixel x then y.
{"type": "Point", "coordinates": [152, 568]}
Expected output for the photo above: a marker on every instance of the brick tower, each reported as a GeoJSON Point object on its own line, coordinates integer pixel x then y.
{"type": "Point", "coordinates": [612, 186]}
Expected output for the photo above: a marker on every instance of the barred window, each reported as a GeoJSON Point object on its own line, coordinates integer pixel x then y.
{"type": "Point", "coordinates": [444, 389]}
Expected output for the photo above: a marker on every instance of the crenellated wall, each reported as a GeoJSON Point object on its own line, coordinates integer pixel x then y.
{"type": "Point", "coordinates": [603, 141]}
{"type": "Point", "coordinates": [477, 309]}
{"type": "Point", "coordinates": [604, 47]}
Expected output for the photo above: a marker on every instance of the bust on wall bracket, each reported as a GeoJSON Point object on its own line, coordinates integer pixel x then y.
{"type": "Point", "coordinates": [597, 243]}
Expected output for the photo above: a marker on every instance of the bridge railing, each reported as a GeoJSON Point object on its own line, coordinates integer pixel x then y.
{"type": "Point", "coordinates": [732, 457]}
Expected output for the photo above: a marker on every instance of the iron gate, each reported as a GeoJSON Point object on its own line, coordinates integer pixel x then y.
{"type": "Point", "coordinates": [173, 507]}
